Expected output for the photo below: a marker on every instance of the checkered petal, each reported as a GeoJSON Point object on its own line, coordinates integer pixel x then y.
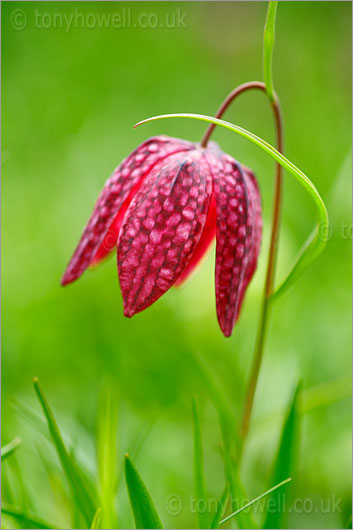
{"type": "Point", "coordinates": [162, 228]}
{"type": "Point", "coordinates": [100, 235]}
{"type": "Point", "coordinates": [254, 228]}
{"type": "Point", "coordinates": [238, 241]}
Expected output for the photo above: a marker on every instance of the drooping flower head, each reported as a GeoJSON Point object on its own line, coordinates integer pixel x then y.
{"type": "Point", "coordinates": [161, 209]}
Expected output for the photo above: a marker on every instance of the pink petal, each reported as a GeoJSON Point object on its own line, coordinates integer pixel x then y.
{"type": "Point", "coordinates": [238, 242]}
{"type": "Point", "coordinates": [203, 245]}
{"type": "Point", "coordinates": [254, 228]}
{"type": "Point", "coordinates": [209, 230]}
{"type": "Point", "coordinates": [116, 191]}
{"type": "Point", "coordinates": [111, 237]}
{"type": "Point", "coordinates": [162, 227]}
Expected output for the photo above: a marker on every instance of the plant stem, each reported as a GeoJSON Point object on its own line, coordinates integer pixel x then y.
{"type": "Point", "coordinates": [270, 276]}
{"type": "Point", "coordinates": [229, 99]}
{"type": "Point", "coordinates": [272, 254]}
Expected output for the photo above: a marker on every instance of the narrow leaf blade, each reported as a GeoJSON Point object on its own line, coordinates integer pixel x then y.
{"type": "Point", "coordinates": [248, 504]}
{"type": "Point", "coordinates": [79, 490]}
{"type": "Point", "coordinates": [10, 448]}
{"type": "Point", "coordinates": [199, 478]}
{"type": "Point", "coordinates": [236, 488]}
{"type": "Point", "coordinates": [285, 459]}
{"type": "Point", "coordinates": [145, 513]}
{"type": "Point", "coordinates": [220, 508]}
{"type": "Point", "coordinates": [107, 454]}
{"type": "Point", "coordinates": [24, 519]}
{"type": "Point", "coordinates": [96, 519]}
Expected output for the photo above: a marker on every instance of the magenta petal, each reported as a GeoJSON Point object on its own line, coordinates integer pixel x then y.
{"type": "Point", "coordinates": [115, 192]}
{"type": "Point", "coordinates": [203, 245]}
{"type": "Point", "coordinates": [162, 227]}
{"type": "Point", "coordinates": [238, 242]}
{"type": "Point", "coordinates": [254, 230]}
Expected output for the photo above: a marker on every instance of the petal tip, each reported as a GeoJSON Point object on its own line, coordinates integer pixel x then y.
{"type": "Point", "coordinates": [128, 312]}
{"type": "Point", "coordinates": [66, 279]}
{"type": "Point", "coordinates": [227, 332]}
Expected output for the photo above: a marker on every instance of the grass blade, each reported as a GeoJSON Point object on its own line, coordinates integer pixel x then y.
{"type": "Point", "coordinates": [26, 520]}
{"type": "Point", "coordinates": [10, 448]}
{"type": "Point", "coordinates": [285, 459]}
{"type": "Point", "coordinates": [96, 519]}
{"type": "Point", "coordinates": [73, 475]}
{"type": "Point", "coordinates": [145, 513]}
{"type": "Point", "coordinates": [220, 508]}
{"type": "Point", "coordinates": [236, 488]}
{"type": "Point", "coordinates": [217, 394]}
{"type": "Point", "coordinates": [30, 416]}
{"type": "Point", "coordinates": [199, 477]}
{"type": "Point", "coordinates": [107, 455]}
{"type": "Point", "coordinates": [269, 41]}
{"type": "Point", "coordinates": [315, 243]}
{"type": "Point", "coordinates": [247, 505]}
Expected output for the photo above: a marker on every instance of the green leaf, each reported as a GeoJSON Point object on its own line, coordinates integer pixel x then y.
{"type": "Point", "coordinates": [24, 519]}
{"type": "Point", "coordinates": [79, 490]}
{"type": "Point", "coordinates": [220, 507]}
{"type": "Point", "coordinates": [326, 393]}
{"type": "Point", "coordinates": [107, 454]}
{"type": "Point", "coordinates": [10, 448]}
{"type": "Point", "coordinates": [199, 478]}
{"type": "Point", "coordinates": [217, 394]}
{"type": "Point", "coordinates": [236, 488]}
{"type": "Point", "coordinates": [315, 244]}
{"type": "Point", "coordinates": [145, 514]}
{"type": "Point", "coordinates": [285, 459]}
{"type": "Point", "coordinates": [247, 505]}
{"type": "Point", "coordinates": [96, 519]}
{"type": "Point", "coordinates": [269, 41]}
{"type": "Point", "coordinates": [30, 416]}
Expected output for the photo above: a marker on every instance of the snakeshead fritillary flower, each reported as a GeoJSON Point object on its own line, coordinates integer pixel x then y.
{"type": "Point", "coordinates": [162, 208]}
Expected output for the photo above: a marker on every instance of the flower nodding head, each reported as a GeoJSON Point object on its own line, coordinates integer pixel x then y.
{"type": "Point", "coordinates": [162, 208]}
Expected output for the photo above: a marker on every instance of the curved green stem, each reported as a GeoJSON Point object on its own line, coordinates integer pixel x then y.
{"type": "Point", "coordinates": [245, 87]}
{"type": "Point", "coordinates": [314, 244]}
{"type": "Point", "coordinates": [269, 281]}
{"type": "Point", "coordinates": [311, 249]}
{"type": "Point", "coordinates": [273, 248]}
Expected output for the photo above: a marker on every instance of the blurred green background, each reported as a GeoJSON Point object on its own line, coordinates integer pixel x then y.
{"type": "Point", "coordinates": [70, 96]}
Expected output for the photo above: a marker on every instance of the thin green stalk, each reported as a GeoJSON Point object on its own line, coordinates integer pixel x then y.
{"type": "Point", "coordinates": [269, 282]}
{"type": "Point", "coordinates": [272, 255]}
{"type": "Point", "coordinates": [10, 448]}
{"type": "Point", "coordinates": [269, 41]}
{"type": "Point", "coordinates": [254, 501]}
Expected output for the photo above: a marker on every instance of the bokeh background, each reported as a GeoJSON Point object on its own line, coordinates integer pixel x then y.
{"type": "Point", "coordinates": [70, 96]}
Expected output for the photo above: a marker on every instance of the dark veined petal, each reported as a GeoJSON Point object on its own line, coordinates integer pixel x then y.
{"type": "Point", "coordinates": [238, 242]}
{"type": "Point", "coordinates": [162, 227]}
{"type": "Point", "coordinates": [254, 229]}
{"type": "Point", "coordinates": [209, 231]}
{"type": "Point", "coordinates": [101, 232]}
{"type": "Point", "coordinates": [208, 235]}
{"type": "Point", "coordinates": [109, 241]}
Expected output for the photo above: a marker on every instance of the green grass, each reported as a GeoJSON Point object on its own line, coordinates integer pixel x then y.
{"type": "Point", "coordinates": [84, 497]}
{"type": "Point", "coordinates": [116, 386]}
